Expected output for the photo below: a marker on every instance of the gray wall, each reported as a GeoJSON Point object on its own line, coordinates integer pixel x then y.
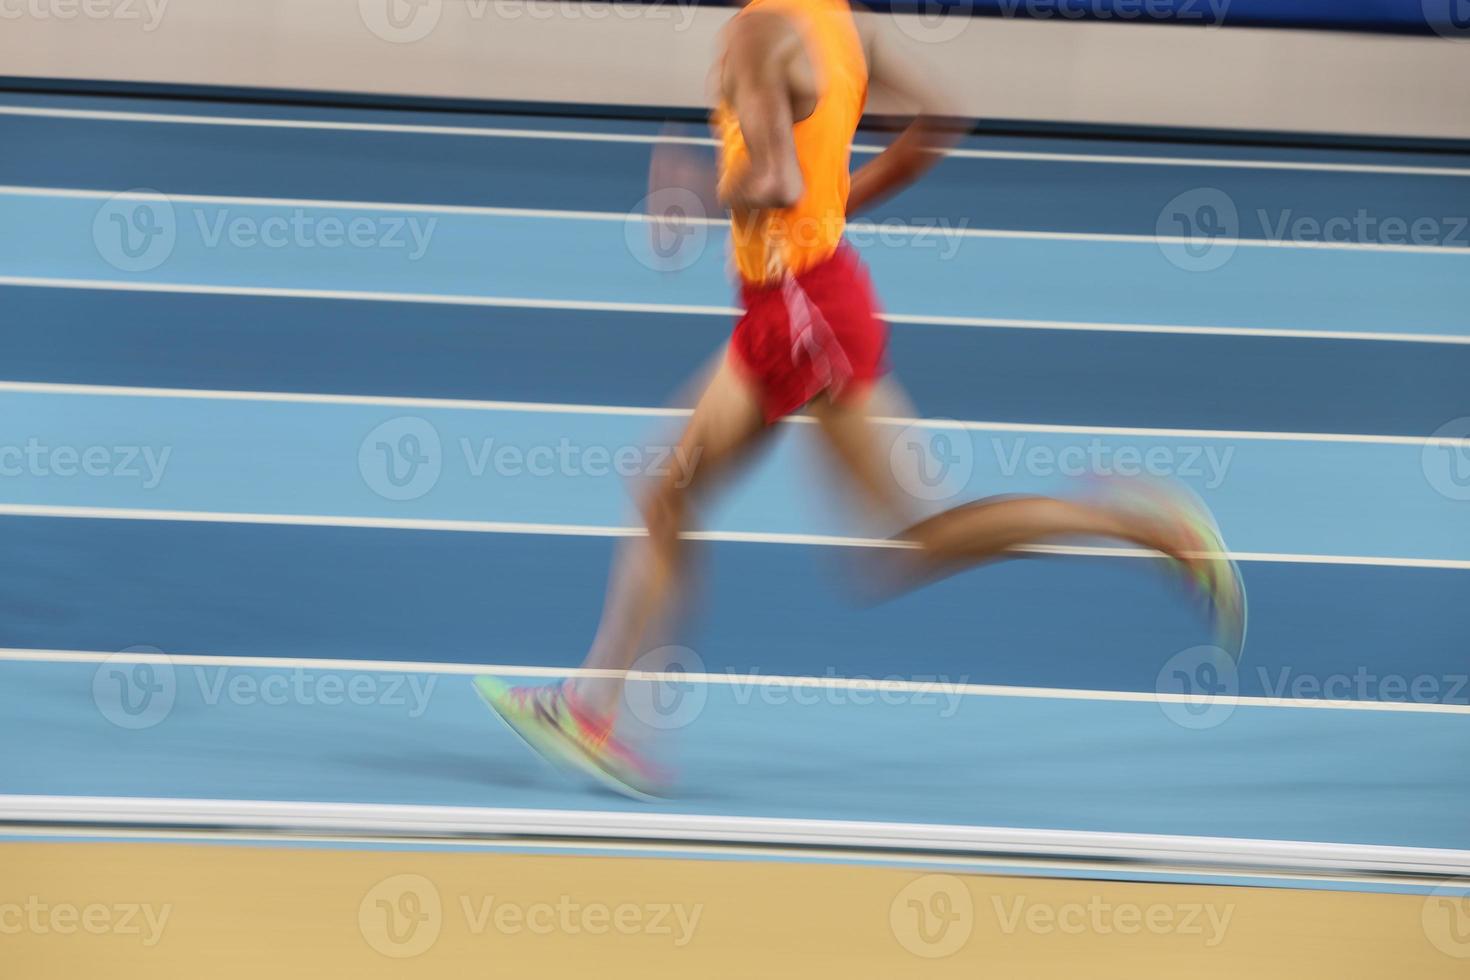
{"type": "Point", "coordinates": [1088, 72]}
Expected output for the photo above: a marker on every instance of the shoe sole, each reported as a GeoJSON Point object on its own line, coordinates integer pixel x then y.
{"type": "Point", "coordinates": [565, 755]}
{"type": "Point", "coordinates": [1203, 509]}
{"type": "Point", "coordinates": [1185, 495]}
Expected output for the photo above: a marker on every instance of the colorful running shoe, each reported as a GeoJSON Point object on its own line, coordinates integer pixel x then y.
{"type": "Point", "coordinates": [1211, 573]}
{"type": "Point", "coordinates": [546, 719]}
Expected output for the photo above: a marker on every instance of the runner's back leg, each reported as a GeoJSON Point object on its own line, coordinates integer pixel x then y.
{"type": "Point", "coordinates": [983, 530]}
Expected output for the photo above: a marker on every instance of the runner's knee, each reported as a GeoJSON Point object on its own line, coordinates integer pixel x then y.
{"type": "Point", "coordinates": [664, 511]}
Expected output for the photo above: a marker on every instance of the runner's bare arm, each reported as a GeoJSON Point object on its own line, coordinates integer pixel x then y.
{"type": "Point", "coordinates": [757, 83]}
{"type": "Point", "coordinates": [933, 129]}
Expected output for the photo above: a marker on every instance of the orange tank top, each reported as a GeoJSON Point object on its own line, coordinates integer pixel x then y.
{"type": "Point", "coordinates": [766, 245]}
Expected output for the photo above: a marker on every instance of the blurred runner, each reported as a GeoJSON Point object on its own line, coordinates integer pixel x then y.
{"type": "Point", "coordinates": [792, 82]}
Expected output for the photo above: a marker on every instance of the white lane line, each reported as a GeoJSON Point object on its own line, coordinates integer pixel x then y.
{"type": "Point", "coordinates": [989, 864]}
{"type": "Point", "coordinates": [731, 678]}
{"type": "Point", "coordinates": [490, 132]}
{"type": "Point", "coordinates": [1183, 874]}
{"type": "Point", "coordinates": [599, 306]}
{"type": "Point", "coordinates": [406, 129]}
{"type": "Point", "coordinates": [555, 408]}
{"type": "Point", "coordinates": [434, 299]}
{"type": "Point", "coordinates": [226, 200]}
{"type": "Point", "coordinates": [646, 824]}
{"type": "Point", "coordinates": [1186, 329]}
{"type": "Point", "coordinates": [614, 531]}
{"type": "Point", "coordinates": [865, 227]}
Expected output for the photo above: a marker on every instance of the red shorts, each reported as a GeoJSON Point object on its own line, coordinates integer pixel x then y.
{"type": "Point", "coordinates": [818, 331]}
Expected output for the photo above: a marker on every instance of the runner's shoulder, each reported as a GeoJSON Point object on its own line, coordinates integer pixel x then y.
{"type": "Point", "coordinates": [760, 43]}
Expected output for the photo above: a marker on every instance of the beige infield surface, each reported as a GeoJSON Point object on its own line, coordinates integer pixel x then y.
{"type": "Point", "coordinates": [154, 911]}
